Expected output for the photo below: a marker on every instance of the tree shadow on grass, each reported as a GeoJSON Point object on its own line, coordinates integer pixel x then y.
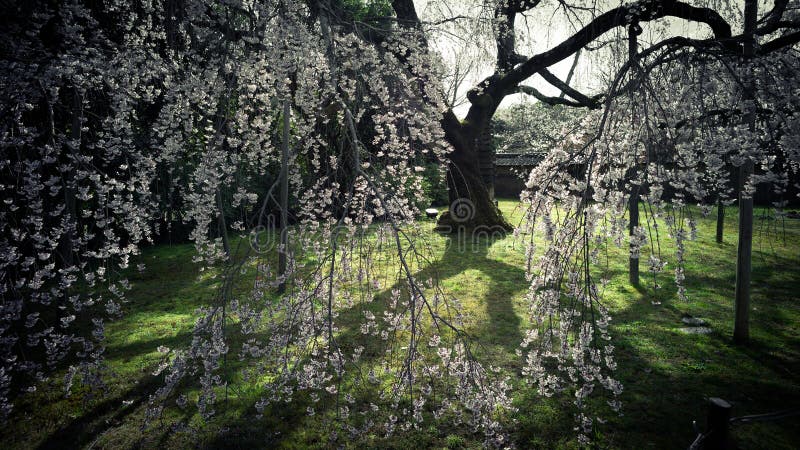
{"type": "Point", "coordinates": [181, 292]}
{"type": "Point", "coordinates": [504, 281]}
{"type": "Point", "coordinates": [665, 371]}
{"type": "Point", "coordinates": [499, 334]}
{"type": "Point", "coordinates": [654, 392]}
{"type": "Point", "coordinates": [682, 382]}
{"type": "Point", "coordinates": [103, 416]}
{"type": "Point", "coordinates": [152, 296]}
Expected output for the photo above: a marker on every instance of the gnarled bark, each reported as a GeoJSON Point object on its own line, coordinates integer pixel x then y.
{"type": "Point", "coordinates": [471, 205]}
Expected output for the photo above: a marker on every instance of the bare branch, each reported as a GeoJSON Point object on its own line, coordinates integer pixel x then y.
{"type": "Point", "coordinates": [612, 19]}
{"type": "Point", "coordinates": [583, 100]}
{"type": "Point", "coordinates": [530, 90]}
{"type": "Point", "coordinates": [781, 42]}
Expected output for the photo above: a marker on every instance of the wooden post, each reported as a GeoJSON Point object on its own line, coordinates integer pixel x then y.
{"type": "Point", "coordinates": [284, 248]}
{"type": "Point", "coordinates": [741, 325]}
{"type": "Point", "coordinates": [222, 224]}
{"type": "Point", "coordinates": [720, 220]}
{"type": "Point", "coordinates": [633, 207]}
{"type": "Point", "coordinates": [717, 425]}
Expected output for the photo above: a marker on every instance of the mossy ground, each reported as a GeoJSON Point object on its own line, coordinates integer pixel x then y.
{"type": "Point", "coordinates": [666, 374]}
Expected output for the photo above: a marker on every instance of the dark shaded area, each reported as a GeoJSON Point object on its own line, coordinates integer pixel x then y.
{"type": "Point", "coordinates": [102, 417]}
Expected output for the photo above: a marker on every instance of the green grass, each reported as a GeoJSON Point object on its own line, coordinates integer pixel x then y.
{"type": "Point", "coordinates": [666, 374]}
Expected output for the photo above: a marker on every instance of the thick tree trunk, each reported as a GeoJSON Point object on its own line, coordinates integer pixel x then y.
{"type": "Point", "coordinates": [485, 152]}
{"type": "Point", "coordinates": [471, 204]}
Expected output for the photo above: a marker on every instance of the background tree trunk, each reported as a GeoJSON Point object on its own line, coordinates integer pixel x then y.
{"type": "Point", "coordinates": [633, 200]}
{"type": "Point", "coordinates": [284, 196]}
{"type": "Point", "coordinates": [741, 326]}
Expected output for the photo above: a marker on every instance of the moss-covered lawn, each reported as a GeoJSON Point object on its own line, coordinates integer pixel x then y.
{"type": "Point", "coordinates": [666, 373]}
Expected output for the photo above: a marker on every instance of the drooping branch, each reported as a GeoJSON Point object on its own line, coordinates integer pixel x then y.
{"type": "Point", "coordinates": [723, 115]}
{"type": "Point", "coordinates": [571, 70]}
